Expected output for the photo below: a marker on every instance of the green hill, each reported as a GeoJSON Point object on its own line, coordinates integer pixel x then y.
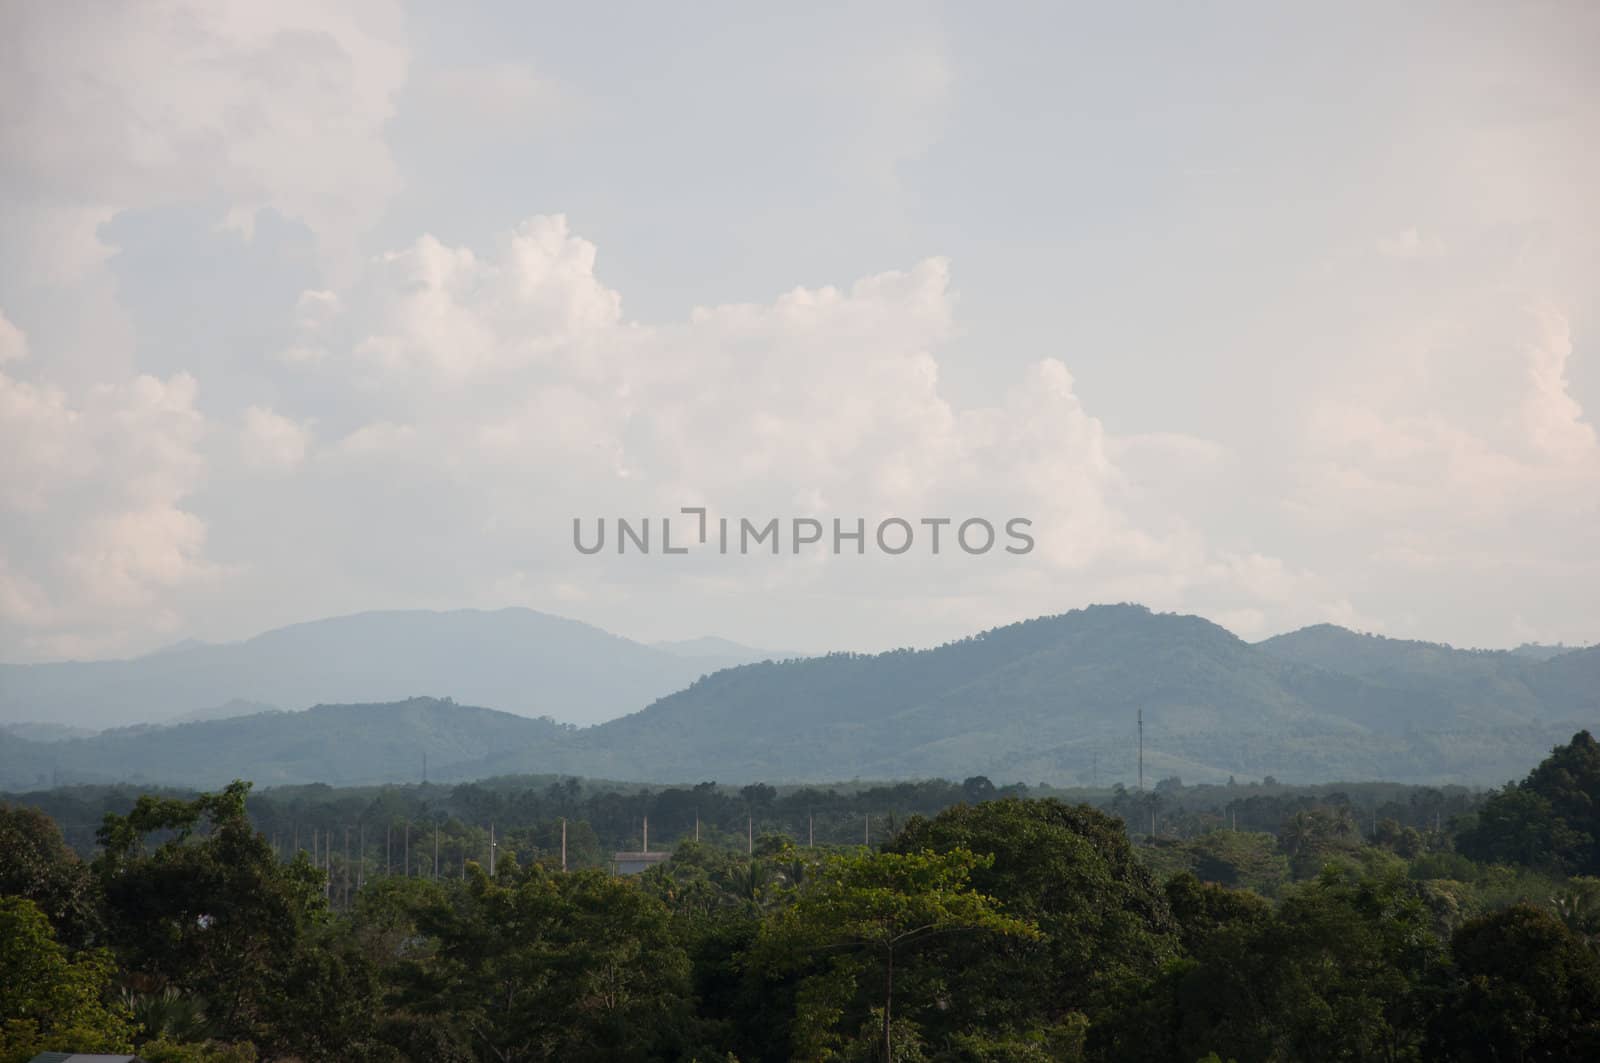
{"type": "Point", "coordinates": [1053, 699]}
{"type": "Point", "coordinates": [334, 744]}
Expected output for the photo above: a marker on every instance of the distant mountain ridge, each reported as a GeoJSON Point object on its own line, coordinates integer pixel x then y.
{"type": "Point", "coordinates": [1050, 699]}
{"type": "Point", "coordinates": [517, 660]}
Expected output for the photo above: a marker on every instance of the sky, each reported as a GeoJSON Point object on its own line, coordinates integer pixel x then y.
{"type": "Point", "coordinates": [1277, 314]}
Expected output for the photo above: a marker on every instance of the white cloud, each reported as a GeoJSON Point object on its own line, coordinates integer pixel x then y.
{"type": "Point", "coordinates": [271, 442]}
{"type": "Point", "coordinates": [96, 532]}
{"type": "Point", "coordinates": [277, 106]}
{"type": "Point", "coordinates": [13, 343]}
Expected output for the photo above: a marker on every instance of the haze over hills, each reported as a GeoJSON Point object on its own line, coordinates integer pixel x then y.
{"type": "Point", "coordinates": [1052, 699]}
{"type": "Point", "coordinates": [337, 744]}
{"type": "Point", "coordinates": [516, 660]}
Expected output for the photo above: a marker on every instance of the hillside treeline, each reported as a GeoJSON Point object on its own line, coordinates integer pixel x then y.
{"type": "Point", "coordinates": [1000, 926]}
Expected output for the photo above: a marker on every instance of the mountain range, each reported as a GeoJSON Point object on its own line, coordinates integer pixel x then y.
{"type": "Point", "coordinates": [517, 660]}
{"type": "Point", "coordinates": [1056, 699]}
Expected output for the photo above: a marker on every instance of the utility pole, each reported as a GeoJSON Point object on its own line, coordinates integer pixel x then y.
{"type": "Point", "coordinates": [347, 868]}
{"type": "Point", "coordinates": [811, 830]}
{"type": "Point", "coordinates": [697, 824]}
{"type": "Point", "coordinates": [867, 830]}
{"type": "Point", "coordinates": [1141, 749]}
{"type": "Point", "coordinates": [564, 840]}
{"type": "Point", "coordinates": [406, 828]}
{"type": "Point", "coordinates": [436, 852]}
{"type": "Point", "coordinates": [491, 849]}
{"type": "Point", "coordinates": [361, 845]}
{"type": "Point", "coordinates": [647, 834]}
{"type": "Point", "coordinates": [749, 837]}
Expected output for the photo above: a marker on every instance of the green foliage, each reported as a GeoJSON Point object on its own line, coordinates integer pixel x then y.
{"type": "Point", "coordinates": [49, 1001]}
{"type": "Point", "coordinates": [540, 965]}
{"type": "Point", "coordinates": [1551, 819]}
{"type": "Point", "coordinates": [35, 863]}
{"type": "Point", "coordinates": [1070, 870]}
{"type": "Point", "coordinates": [1524, 987]}
{"type": "Point", "coordinates": [860, 913]}
{"type": "Point", "coordinates": [1332, 973]}
{"type": "Point", "coordinates": [1007, 929]}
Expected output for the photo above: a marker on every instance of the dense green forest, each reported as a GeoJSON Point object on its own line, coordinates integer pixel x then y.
{"type": "Point", "coordinates": [973, 922]}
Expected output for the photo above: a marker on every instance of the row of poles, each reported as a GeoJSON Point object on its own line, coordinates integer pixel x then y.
{"type": "Point", "coordinates": [750, 832]}
{"type": "Point", "coordinates": [322, 850]}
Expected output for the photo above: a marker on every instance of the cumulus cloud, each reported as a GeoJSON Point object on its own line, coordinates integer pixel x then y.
{"type": "Point", "coordinates": [96, 529]}
{"type": "Point", "coordinates": [280, 106]}
{"type": "Point", "coordinates": [507, 391]}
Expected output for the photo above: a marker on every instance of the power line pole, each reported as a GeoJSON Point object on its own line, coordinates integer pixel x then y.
{"type": "Point", "coordinates": [361, 867]}
{"type": "Point", "coordinates": [811, 830]}
{"type": "Point", "coordinates": [749, 837]}
{"type": "Point", "coordinates": [1141, 749]}
{"type": "Point", "coordinates": [347, 868]}
{"type": "Point", "coordinates": [867, 830]}
{"type": "Point", "coordinates": [436, 852]}
{"type": "Point", "coordinates": [647, 834]}
{"type": "Point", "coordinates": [564, 840]}
{"type": "Point", "coordinates": [491, 849]}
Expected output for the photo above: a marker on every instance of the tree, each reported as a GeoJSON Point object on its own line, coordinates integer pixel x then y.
{"type": "Point", "coordinates": [48, 1001]}
{"type": "Point", "coordinates": [1525, 987]}
{"type": "Point", "coordinates": [1550, 819]}
{"type": "Point", "coordinates": [36, 863]}
{"type": "Point", "coordinates": [541, 965]}
{"type": "Point", "coordinates": [1333, 973]}
{"type": "Point", "coordinates": [1070, 870]}
{"type": "Point", "coordinates": [879, 906]}
{"type": "Point", "coordinates": [210, 909]}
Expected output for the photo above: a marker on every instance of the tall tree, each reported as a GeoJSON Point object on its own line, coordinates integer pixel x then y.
{"type": "Point", "coordinates": [537, 965]}
{"type": "Point", "coordinates": [1550, 819]}
{"type": "Point", "coordinates": [209, 909]}
{"type": "Point", "coordinates": [878, 907]}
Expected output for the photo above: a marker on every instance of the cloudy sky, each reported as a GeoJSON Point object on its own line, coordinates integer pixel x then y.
{"type": "Point", "coordinates": [1266, 313]}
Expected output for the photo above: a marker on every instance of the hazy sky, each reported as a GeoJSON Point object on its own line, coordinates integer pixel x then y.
{"type": "Point", "coordinates": [1267, 313]}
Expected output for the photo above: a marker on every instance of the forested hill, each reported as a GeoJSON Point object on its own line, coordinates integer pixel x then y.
{"type": "Point", "coordinates": [1053, 699]}
{"type": "Point", "coordinates": [1485, 684]}
{"type": "Point", "coordinates": [335, 744]}
{"type": "Point", "coordinates": [1056, 699]}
